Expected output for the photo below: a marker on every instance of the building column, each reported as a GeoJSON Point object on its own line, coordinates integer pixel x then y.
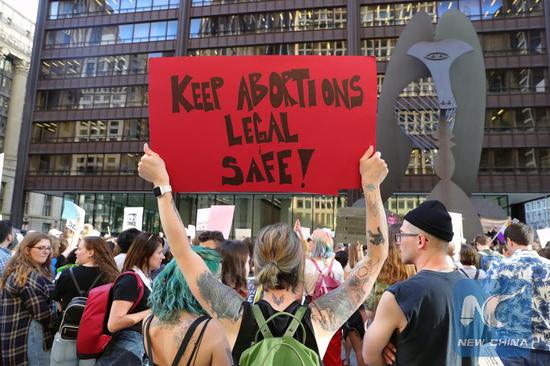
{"type": "Point", "coordinates": [13, 128]}
{"type": "Point", "coordinates": [182, 40]}
{"type": "Point", "coordinates": [354, 27]}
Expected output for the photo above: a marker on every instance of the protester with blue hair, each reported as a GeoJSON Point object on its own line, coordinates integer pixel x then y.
{"type": "Point", "coordinates": [177, 317]}
{"type": "Point", "coordinates": [322, 262]}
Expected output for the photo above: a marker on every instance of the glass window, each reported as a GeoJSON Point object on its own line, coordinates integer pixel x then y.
{"type": "Point", "coordinates": [141, 32]}
{"type": "Point", "coordinates": [125, 32]}
{"type": "Point", "coordinates": [158, 31]}
{"type": "Point", "coordinates": [112, 6]}
{"type": "Point", "coordinates": [138, 63]}
{"type": "Point", "coordinates": [144, 5]}
{"type": "Point", "coordinates": [470, 8]}
{"type": "Point", "coordinates": [128, 165]}
{"type": "Point", "coordinates": [89, 69]}
{"type": "Point", "coordinates": [172, 31]}
{"type": "Point", "coordinates": [54, 10]}
{"type": "Point", "coordinates": [109, 34]}
{"type": "Point", "coordinates": [161, 4]}
{"type": "Point", "coordinates": [491, 8]}
{"type": "Point", "coordinates": [127, 6]}
{"type": "Point", "coordinates": [120, 64]}
{"type": "Point", "coordinates": [65, 9]}
{"type": "Point", "coordinates": [194, 28]}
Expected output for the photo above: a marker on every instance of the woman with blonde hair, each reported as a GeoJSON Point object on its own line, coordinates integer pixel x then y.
{"type": "Point", "coordinates": [27, 315]}
{"type": "Point", "coordinates": [392, 271]}
{"type": "Point", "coordinates": [278, 267]}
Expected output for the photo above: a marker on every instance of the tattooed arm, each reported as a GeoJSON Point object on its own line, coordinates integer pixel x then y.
{"type": "Point", "coordinates": [220, 301]}
{"type": "Point", "coordinates": [331, 311]}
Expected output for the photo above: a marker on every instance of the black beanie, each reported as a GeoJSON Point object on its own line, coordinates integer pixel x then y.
{"type": "Point", "coordinates": [433, 218]}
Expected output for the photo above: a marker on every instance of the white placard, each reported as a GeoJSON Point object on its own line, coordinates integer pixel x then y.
{"type": "Point", "coordinates": [133, 218]}
{"type": "Point", "coordinates": [544, 236]}
{"type": "Point", "coordinates": [306, 232]}
{"type": "Point", "coordinates": [191, 232]}
{"type": "Point", "coordinates": [203, 214]}
{"type": "Point", "coordinates": [240, 234]}
{"type": "Point", "coordinates": [458, 231]}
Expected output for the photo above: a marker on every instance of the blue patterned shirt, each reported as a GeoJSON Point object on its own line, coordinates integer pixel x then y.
{"type": "Point", "coordinates": [5, 256]}
{"type": "Point", "coordinates": [523, 283]}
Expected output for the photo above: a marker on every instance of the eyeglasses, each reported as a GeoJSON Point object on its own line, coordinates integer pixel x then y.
{"type": "Point", "coordinates": [43, 249]}
{"type": "Point", "coordinates": [399, 236]}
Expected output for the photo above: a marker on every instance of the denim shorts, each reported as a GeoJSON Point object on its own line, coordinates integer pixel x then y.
{"type": "Point", "coordinates": [126, 348]}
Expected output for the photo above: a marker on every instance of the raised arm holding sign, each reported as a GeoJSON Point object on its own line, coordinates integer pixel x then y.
{"type": "Point", "coordinates": [278, 258]}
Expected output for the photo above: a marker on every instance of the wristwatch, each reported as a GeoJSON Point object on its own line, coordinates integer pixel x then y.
{"type": "Point", "coordinates": [160, 190]}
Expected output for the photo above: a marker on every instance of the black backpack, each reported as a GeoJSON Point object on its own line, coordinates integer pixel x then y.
{"type": "Point", "coordinates": [73, 313]}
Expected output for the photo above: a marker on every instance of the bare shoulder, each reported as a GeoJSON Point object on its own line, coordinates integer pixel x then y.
{"type": "Point", "coordinates": [212, 334]}
{"type": "Point", "coordinates": [216, 344]}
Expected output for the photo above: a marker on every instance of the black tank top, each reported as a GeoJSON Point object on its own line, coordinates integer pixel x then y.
{"type": "Point", "coordinates": [429, 302]}
{"type": "Point", "coordinates": [278, 326]}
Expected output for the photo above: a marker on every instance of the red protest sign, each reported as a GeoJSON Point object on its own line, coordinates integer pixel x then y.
{"type": "Point", "coordinates": [262, 123]}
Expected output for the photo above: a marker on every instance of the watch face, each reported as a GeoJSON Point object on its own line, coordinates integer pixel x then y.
{"type": "Point", "coordinates": [157, 191]}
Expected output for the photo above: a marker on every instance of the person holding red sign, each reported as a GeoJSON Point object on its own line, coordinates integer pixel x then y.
{"type": "Point", "coordinates": [279, 266]}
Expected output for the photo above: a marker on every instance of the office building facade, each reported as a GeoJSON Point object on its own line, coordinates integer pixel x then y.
{"type": "Point", "coordinates": [86, 115]}
{"type": "Point", "coordinates": [16, 39]}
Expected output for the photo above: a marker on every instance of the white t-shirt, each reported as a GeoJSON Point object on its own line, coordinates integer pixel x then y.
{"type": "Point", "coordinates": [311, 274]}
{"type": "Point", "coordinates": [119, 260]}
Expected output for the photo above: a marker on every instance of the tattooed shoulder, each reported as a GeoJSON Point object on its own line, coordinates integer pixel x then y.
{"type": "Point", "coordinates": [223, 300]}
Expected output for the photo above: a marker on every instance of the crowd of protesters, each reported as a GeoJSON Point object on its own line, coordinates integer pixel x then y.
{"type": "Point", "coordinates": [388, 300]}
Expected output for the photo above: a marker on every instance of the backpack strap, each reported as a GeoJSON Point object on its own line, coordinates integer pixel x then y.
{"type": "Point", "coordinates": [187, 338]}
{"type": "Point", "coordinates": [330, 267]}
{"type": "Point", "coordinates": [296, 321]}
{"type": "Point", "coordinates": [80, 292]}
{"type": "Point", "coordinates": [477, 274]}
{"type": "Point", "coordinates": [316, 265]}
{"type": "Point", "coordinates": [195, 351]}
{"type": "Point", "coordinates": [263, 324]}
{"type": "Point", "coordinates": [260, 320]}
{"type": "Point", "coordinates": [464, 272]}
{"type": "Point", "coordinates": [96, 280]}
{"type": "Point", "coordinates": [141, 287]}
{"type": "Point", "coordinates": [146, 326]}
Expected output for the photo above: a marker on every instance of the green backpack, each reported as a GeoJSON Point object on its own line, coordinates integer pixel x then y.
{"type": "Point", "coordinates": [279, 351]}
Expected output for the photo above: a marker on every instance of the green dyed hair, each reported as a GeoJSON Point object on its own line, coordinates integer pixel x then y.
{"type": "Point", "coordinates": [171, 294]}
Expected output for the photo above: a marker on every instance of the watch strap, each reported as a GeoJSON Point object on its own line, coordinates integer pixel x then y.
{"type": "Point", "coordinates": [160, 190]}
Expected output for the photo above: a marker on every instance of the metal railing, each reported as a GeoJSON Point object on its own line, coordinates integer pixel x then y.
{"type": "Point", "coordinates": [110, 42]}
{"type": "Point", "coordinates": [83, 172]}
{"type": "Point", "coordinates": [106, 11]}
{"type": "Point", "coordinates": [110, 138]}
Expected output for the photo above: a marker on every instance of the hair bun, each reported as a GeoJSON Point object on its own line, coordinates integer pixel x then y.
{"type": "Point", "coordinates": [269, 273]}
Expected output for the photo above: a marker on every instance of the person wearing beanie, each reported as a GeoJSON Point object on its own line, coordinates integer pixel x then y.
{"type": "Point", "coordinates": [420, 311]}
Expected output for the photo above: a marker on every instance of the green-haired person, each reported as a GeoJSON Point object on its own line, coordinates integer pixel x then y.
{"type": "Point", "coordinates": [180, 332]}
